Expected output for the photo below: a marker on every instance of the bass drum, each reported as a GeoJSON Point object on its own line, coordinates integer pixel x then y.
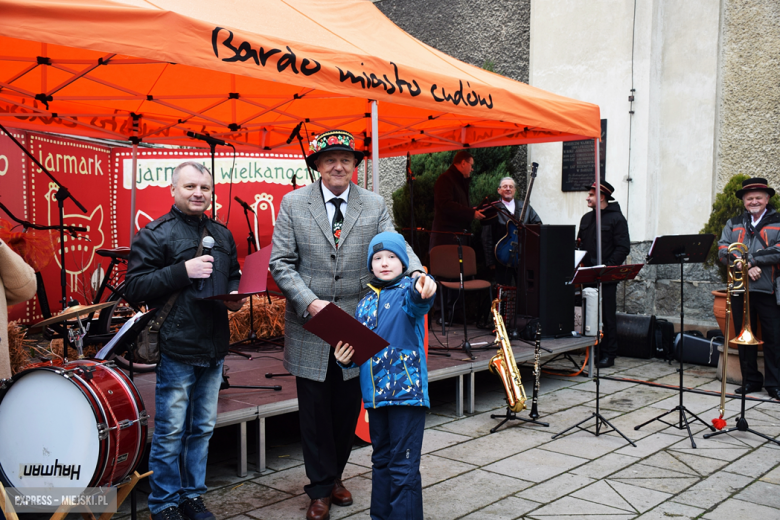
{"type": "Point", "coordinates": [82, 424]}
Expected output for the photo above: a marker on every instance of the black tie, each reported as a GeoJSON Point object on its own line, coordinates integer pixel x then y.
{"type": "Point", "coordinates": [338, 219]}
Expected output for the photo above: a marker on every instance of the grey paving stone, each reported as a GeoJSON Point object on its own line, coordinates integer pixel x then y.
{"type": "Point", "coordinates": [703, 466]}
{"type": "Point", "coordinates": [549, 383]}
{"type": "Point", "coordinates": [755, 463]}
{"type": "Point", "coordinates": [773, 477]}
{"type": "Point", "coordinates": [233, 500]}
{"type": "Point", "coordinates": [649, 371]}
{"type": "Point", "coordinates": [432, 420]}
{"type": "Point", "coordinates": [533, 516]}
{"type": "Point", "coordinates": [604, 466]}
{"type": "Point", "coordinates": [283, 457]}
{"type": "Point", "coordinates": [665, 460]}
{"type": "Point", "coordinates": [535, 465]}
{"type": "Point", "coordinates": [457, 496]}
{"type": "Point", "coordinates": [505, 509]}
{"type": "Point", "coordinates": [696, 403]}
{"type": "Point", "coordinates": [738, 509]}
{"type": "Point", "coordinates": [571, 507]}
{"type": "Point", "coordinates": [556, 487]}
{"type": "Point", "coordinates": [633, 398]}
{"type": "Point", "coordinates": [563, 399]}
{"type": "Point", "coordinates": [435, 440]}
{"type": "Point", "coordinates": [623, 496]}
{"type": "Point", "coordinates": [435, 469]}
{"type": "Point", "coordinates": [642, 499]}
{"type": "Point", "coordinates": [762, 493]}
{"type": "Point", "coordinates": [649, 445]}
{"type": "Point", "coordinates": [668, 510]}
{"type": "Point", "coordinates": [606, 387]}
{"type": "Point", "coordinates": [477, 425]}
{"type": "Point", "coordinates": [586, 445]}
{"type": "Point", "coordinates": [716, 448]}
{"type": "Point", "coordinates": [295, 507]}
{"type": "Point", "coordinates": [487, 401]}
{"type": "Point", "coordinates": [483, 450]}
{"type": "Point", "coordinates": [625, 422]}
{"type": "Point", "coordinates": [658, 479]}
{"type": "Point", "coordinates": [361, 456]}
{"type": "Point", "coordinates": [713, 490]}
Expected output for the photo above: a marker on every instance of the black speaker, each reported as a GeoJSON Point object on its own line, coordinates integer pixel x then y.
{"type": "Point", "coordinates": [547, 263]}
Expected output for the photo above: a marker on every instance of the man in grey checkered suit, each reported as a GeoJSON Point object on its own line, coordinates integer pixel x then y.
{"type": "Point", "coordinates": [320, 247]}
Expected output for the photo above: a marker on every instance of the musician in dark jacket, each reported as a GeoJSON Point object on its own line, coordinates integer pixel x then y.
{"type": "Point", "coordinates": [496, 229]}
{"type": "Point", "coordinates": [194, 338]}
{"type": "Point", "coordinates": [451, 209]}
{"type": "Point", "coordinates": [759, 229]}
{"type": "Point", "coordinates": [615, 244]}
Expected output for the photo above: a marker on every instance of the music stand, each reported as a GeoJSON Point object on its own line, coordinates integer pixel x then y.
{"type": "Point", "coordinates": [599, 275]}
{"type": "Point", "coordinates": [682, 249]}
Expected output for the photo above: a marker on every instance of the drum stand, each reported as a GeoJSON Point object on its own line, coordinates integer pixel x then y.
{"type": "Point", "coordinates": [122, 491]}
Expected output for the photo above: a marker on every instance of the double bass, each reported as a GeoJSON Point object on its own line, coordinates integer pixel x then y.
{"type": "Point", "coordinates": [507, 249]}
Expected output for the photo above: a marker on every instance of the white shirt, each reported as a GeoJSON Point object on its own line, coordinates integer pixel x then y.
{"type": "Point", "coordinates": [755, 220]}
{"type": "Point", "coordinates": [510, 206]}
{"type": "Point", "coordinates": [327, 195]}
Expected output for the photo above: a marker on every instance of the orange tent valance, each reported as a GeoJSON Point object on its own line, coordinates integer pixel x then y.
{"type": "Point", "coordinates": [248, 71]}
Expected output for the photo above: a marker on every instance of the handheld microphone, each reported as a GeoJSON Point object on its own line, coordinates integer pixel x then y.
{"type": "Point", "coordinates": [208, 244]}
{"type": "Point", "coordinates": [244, 204]}
{"type": "Point", "coordinates": [295, 133]}
{"type": "Point", "coordinates": [207, 138]}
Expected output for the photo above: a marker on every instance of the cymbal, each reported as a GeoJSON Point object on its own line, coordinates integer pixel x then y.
{"type": "Point", "coordinates": [72, 312]}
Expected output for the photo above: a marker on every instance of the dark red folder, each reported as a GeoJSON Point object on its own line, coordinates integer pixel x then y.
{"type": "Point", "coordinates": [254, 277]}
{"type": "Point", "coordinates": [332, 325]}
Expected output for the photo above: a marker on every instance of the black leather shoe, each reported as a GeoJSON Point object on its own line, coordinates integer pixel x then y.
{"type": "Point", "coordinates": [774, 393]}
{"type": "Point", "coordinates": [748, 388]}
{"type": "Point", "coordinates": [606, 362]}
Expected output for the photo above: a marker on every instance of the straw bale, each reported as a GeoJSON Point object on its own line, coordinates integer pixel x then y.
{"type": "Point", "coordinates": [268, 319]}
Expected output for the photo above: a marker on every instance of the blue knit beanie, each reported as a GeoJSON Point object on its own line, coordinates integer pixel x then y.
{"type": "Point", "coordinates": [388, 241]}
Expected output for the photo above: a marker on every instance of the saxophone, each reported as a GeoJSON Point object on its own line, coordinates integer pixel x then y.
{"type": "Point", "coordinates": [504, 365]}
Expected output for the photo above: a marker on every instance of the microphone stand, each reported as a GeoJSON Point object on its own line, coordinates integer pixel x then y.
{"type": "Point", "coordinates": [62, 195]}
{"type": "Point", "coordinates": [212, 142]}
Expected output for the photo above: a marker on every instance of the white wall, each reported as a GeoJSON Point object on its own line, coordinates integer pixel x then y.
{"type": "Point", "coordinates": [583, 50]}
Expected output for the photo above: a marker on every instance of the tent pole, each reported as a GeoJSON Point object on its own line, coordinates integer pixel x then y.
{"type": "Point", "coordinates": [132, 191]}
{"type": "Point", "coordinates": [374, 146]}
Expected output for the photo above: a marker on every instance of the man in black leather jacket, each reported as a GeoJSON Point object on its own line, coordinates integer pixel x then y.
{"type": "Point", "coordinates": [615, 245]}
{"type": "Point", "coordinates": [194, 338]}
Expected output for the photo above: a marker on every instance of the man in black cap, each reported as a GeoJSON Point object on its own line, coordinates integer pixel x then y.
{"type": "Point", "coordinates": [615, 244]}
{"type": "Point", "coordinates": [759, 229]}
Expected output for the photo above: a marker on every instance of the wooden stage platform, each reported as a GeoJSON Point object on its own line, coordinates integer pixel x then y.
{"type": "Point", "coordinates": [239, 406]}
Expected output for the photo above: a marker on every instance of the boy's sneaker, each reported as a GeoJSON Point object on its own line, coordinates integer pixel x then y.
{"type": "Point", "coordinates": [195, 509]}
{"type": "Point", "coordinates": [169, 513]}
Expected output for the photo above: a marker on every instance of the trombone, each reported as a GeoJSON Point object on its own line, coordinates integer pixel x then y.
{"type": "Point", "coordinates": [738, 283]}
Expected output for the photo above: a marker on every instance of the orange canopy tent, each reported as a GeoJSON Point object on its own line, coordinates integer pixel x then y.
{"type": "Point", "coordinates": [248, 71]}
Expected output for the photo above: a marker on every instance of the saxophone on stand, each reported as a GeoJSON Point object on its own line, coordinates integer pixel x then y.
{"type": "Point", "coordinates": [504, 364]}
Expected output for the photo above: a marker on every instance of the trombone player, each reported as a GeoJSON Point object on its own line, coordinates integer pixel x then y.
{"type": "Point", "coordinates": [759, 229]}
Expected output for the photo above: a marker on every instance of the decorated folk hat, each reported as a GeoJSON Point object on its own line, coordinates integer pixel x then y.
{"type": "Point", "coordinates": [606, 189]}
{"type": "Point", "coordinates": [754, 184]}
{"type": "Point", "coordinates": [332, 141]}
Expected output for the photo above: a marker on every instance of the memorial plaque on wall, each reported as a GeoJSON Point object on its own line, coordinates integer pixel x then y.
{"type": "Point", "coordinates": [578, 169]}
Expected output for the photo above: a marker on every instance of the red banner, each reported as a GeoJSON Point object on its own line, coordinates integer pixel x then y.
{"type": "Point", "coordinates": [14, 195]}
{"type": "Point", "coordinates": [83, 168]}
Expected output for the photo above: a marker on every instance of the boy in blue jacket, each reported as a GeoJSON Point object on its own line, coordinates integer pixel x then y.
{"type": "Point", "coordinates": [394, 382]}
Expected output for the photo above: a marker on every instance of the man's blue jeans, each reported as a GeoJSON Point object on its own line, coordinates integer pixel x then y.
{"type": "Point", "coordinates": [396, 485]}
{"type": "Point", "coordinates": [185, 415]}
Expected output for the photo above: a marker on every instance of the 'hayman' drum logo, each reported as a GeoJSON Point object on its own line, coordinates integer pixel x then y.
{"type": "Point", "coordinates": [51, 470]}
